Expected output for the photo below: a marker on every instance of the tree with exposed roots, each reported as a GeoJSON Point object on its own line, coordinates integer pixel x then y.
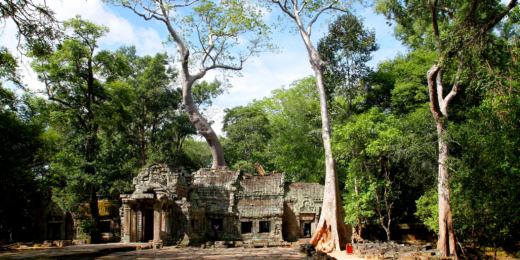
{"type": "Point", "coordinates": [209, 35]}
{"type": "Point", "coordinates": [331, 233]}
{"type": "Point", "coordinates": [455, 30]}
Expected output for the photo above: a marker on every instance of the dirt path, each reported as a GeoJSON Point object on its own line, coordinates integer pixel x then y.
{"type": "Point", "coordinates": [343, 255]}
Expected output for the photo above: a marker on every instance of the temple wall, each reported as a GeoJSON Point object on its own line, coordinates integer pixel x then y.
{"type": "Point", "coordinates": [302, 204]}
{"type": "Point", "coordinates": [245, 207]}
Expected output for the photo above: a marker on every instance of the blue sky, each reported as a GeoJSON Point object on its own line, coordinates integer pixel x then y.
{"type": "Point", "coordinates": [260, 75]}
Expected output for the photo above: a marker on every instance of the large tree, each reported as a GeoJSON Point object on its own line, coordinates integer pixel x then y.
{"type": "Point", "coordinates": [347, 47]}
{"type": "Point", "coordinates": [85, 94]}
{"type": "Point", "coordinates": [248, 132]}
{"type": "Point", "coordinates": [154, 99]}
{"type": "Point", "coordinates": [208, 36]}
{"type": "Point", "coordinates": [331, 232]}
{"type": "Point", "coordinates": [456, 31]}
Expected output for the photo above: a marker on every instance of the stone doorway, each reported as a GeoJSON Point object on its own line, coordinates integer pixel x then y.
{"type": "Point", "coordinates": [306, 229]}
{"type": "Point", "coordinates": [54, 231]}
{"type": "Point", "coordinates": [148, 225]}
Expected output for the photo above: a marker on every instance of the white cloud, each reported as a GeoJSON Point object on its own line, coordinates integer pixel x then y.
{"type": "Point", "coordinates": [122, 31]}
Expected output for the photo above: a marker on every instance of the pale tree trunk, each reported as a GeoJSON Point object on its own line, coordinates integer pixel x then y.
{"type": "Point", "coordinates": [360, 228]}
{"type": "Point", "coordinates": [202, 125]}
{"type": "Point", "coordinates": [331, 233]}
{"type": "Point", "coordinates": [439, 108]}
{"type": "Point", "coordinates": [196, 118]}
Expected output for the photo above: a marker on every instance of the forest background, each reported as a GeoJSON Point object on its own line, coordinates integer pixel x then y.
{"type": "Point", "coordinates": [59, 146]}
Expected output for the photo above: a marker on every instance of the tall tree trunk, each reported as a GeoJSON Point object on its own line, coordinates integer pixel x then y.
{"type": "Point", "coordinates": [90, 151]}
{"type": "Point", "coordinates": [95, 234]}
{"type": "Point", "coordinates": [439, 108]}
{"type": "Point", "coordinates": [446, 242]}
{"type": "Point", "coordinates": [331, 233]}
{"type": "Point", "coordinates": [200, 122]}
{"type": "Point", "coordinates": [196, 118]}
{"type": "Point", "coordinates": [356, 190]}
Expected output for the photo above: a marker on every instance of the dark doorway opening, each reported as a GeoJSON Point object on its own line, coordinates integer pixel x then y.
{"type": "Point", "coordinates": [147, 225]}
{"type": "Point", "coordinates": [306, 229]}
{"type": "Point", "coordinates": [54, 231]}
{"type": "Point", "coordinates": [217, 222]}
{"type": "Point", "coordinates": [265, 226]}
{"type": "Point", "coordinates": [104, 226]}
{"type": "Point", "coordinates": [247, 227]}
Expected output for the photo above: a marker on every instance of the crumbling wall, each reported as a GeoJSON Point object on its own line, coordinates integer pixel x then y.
{"type": "Point", "coordinates": [260, 202]}
{"type": "Point", "coordinates": [213, 193]}
{"type": "Point", "coordinates": [302, 204]}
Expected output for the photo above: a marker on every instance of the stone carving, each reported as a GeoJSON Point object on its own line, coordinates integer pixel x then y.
{"type": "Point", "coordinates": [307, 206]}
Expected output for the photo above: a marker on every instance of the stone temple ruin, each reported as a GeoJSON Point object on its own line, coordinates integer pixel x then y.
{"type": "Point", "coordinates": [171, 206]}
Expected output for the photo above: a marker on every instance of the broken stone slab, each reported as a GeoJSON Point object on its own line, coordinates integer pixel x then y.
{"type": "Point", "coordinates": [407, 256]}
{"type": "Point", "coordinates": [431, 252]}
{"type": "Point", "coordinates": [62, 243]}
{"type": "Point", "coordinates": [79, 242]}
{"type": "Point", "coordinates": [391, 254]}
{"type": "Point", "coordinates": [220, 244]}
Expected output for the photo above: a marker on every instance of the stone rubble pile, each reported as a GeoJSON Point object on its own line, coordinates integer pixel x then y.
{"type": "Point", "coordinates": [392, 250]}
{"type": "Point", "coordinates": [378, 250]}
{"type": "Point", "coordinates": [313, 254]}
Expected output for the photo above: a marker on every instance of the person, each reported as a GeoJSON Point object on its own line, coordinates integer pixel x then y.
{"type": "Point", "coordinates": [215, 232]}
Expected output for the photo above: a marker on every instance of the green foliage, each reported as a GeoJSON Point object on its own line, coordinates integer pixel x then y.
{"type": "Point", "coordinates": [247, 137]}
{"type": "Point", "coordinates": [22, 141]}
{"type": "Point", "coordinates": [87, 226]}
{"type": "Point", "coordinates": [404, 81]}
{"type": "Point", "coordinates": [296, 146]}
{"type": "Point", "coordinates": [86, 110]}
{"type": "Point", "coordinates": [196, 155]}
{"type": "Point", "coordinates": [428, 210]}
{"type": "Point", "coordinates": [487, 176]}
{"type": "Point", "coordinates": [347, 48]}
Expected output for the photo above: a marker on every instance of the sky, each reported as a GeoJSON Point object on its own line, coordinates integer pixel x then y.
{"type": "Point", "coordinates": [260, 75]}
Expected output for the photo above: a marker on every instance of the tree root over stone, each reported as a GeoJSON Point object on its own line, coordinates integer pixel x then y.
{"type": "Point", "coordinates": [328, 239]}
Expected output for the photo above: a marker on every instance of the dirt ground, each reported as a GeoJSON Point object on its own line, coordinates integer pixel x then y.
{"type": "Point", "coordinates": [128, 252]}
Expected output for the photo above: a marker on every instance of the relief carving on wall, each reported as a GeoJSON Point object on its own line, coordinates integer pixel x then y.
{"type": "Point", "coordinates": [307, 206]}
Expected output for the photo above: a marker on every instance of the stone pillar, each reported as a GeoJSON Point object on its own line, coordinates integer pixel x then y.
{"type": "Point", "coordinates": [298, 224]}
{"type": "Point", "coordinates": [126, 225]}
{"type": "Point", "coordinates": [139, 223]}
{"type": "Point", "coordinates": [157, 210]}
{"type": "Point", "coordinates": [168, 224]}
{"type": "Point", "coordinates": [133, 225]}
{"type": "Point", "coordinates": [164, 221]}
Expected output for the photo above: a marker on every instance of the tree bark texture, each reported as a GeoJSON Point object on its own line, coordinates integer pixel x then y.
{"type": "Point", "coordinates": [331, 233]}
{"type": "Point", "coordinates": [194, 115]}
{"type": "Point", "coordinates": [439, 108]}
{"type": "Point", "coordinates": [203, 126]}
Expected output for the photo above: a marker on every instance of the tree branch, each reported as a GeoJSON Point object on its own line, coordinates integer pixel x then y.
{"type": "Point", "coordinates": [455, 87]}
{"type": "Point", "coordinates": [284, 8]}
{"type": "Point", "coordinates": [431, 75]}
{"type": "Point", "coordinates": [316, 17]}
